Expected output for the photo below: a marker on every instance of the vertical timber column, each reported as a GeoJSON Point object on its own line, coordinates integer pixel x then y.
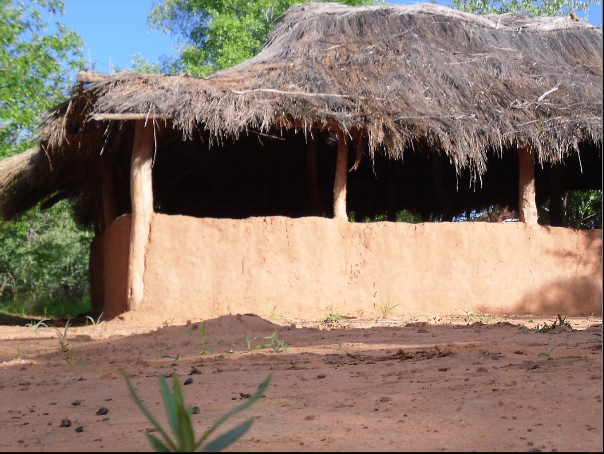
{"type": "Point", "coordinates": [141, 194]}
{"type": "Point", "coordinates": [339, 187]}
{"type": "Point", "coordinates": [527, 207]}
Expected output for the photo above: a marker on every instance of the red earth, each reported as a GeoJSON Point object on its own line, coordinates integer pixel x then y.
{"type": "Point", "coordinates": [457, 383]}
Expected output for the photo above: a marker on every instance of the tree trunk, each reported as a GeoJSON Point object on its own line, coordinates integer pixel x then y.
{"type": "Point", "coordinates": [141, 195]}
{"type": "Point", "coordinates": [339, 188]}
{"type": "Point", "coordinates": [527, 207]}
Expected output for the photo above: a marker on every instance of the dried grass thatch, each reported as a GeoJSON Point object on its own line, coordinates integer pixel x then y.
{"type": "Point", "coordinates": [397, 75]}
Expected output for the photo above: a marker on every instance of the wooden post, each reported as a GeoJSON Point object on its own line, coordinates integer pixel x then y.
{"type": "Point", "coordinates": [141, 195]}
{"type": "Point", "coordinates": [339, 187]}
{"type": "Point", "coordinates": [313, 180]}
{"type": "Point", "coordinates": [527, 207]}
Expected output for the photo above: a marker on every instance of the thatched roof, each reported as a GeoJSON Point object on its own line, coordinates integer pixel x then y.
{"type": "Point", "coordinates": [397, 75]}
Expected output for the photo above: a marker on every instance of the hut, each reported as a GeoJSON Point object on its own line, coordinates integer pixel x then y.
{"type": "Point", "coordinates": [235, 193]}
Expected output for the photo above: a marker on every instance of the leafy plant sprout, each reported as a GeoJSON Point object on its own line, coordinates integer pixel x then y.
{"type": "Point", "coordinates": [332, 318]}
{"type": "Point", "coordinates": [179, 419]}
{"type": "Point", "coordinates": [70, 359]}
{"type": "Point", "coordinates": [175, 358]}
{"type": "Point", "coordinates": [548, 353]}
{"type": "Point", "coordinates": [387, 308]}
{"type": "Point", "coordinates": [560, 321]}
{"type": "Point", "coordinates": [482, 317]}
{"type": "Point", "coordinates": [36, 326]}
{"type": "Point", "coordinates": [248, 340]}
{"type": "Point", "coordinates": [63, 336]}
{"type": "Point", "coordinates": [94, 322]}
{"type": "Point", "coordinates": [204, 342]}
{"type": "Point", "coordinates": [275, 343]}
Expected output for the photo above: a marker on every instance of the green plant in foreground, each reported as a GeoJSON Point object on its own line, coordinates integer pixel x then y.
{"type": "Point", "coordinates": [560, 321]}
{"type": "Point", "coordinates": [550, 350]}
{"type": "Point", "coordinates": [36, 326]}
{"type": "Point", "coordinates": [179, 419]}
{"type": "Point", "coordinates": [482, 317]}
{"type": "Point", "coordinates": [275, 343]}
{"type": "Point", "coordinates": [204, 342]}
{"type": "Point", "coordinates": [94, 322]}
{"type": "Point", "coordinates": [63, 336]}
{"type": "Point", "coordinates": [70, 359]}
{"type": "Point", "coordinates": [248, 340]}
{"type": "Point", "coordinates": [332, 318]}
{"type": "Point", "coordinates": [175, 358]}
{"type": "Point", "coordinates": [387, 308]}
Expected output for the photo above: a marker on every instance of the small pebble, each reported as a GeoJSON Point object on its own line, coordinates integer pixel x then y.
{"type": "Point", "coordinates": [196, 410]}
{"type": "Point", "coordinates": [65, 423]}
{"type": "Point", "coordinates": [80, 429]}
{"type": "Point", "coordinates": [102, 411]}
{"type": "Point", "coordinates": [76, 403]}
{"type": "Point", "coordinates": [321, 376]}
{"type": "Point", "coordinates": [188, 381]}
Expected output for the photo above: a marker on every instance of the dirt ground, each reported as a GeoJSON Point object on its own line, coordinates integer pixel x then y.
{"type": "Point", "coordinates": [458, 383]}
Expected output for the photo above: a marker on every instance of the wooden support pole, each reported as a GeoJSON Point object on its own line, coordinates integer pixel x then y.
{"type": "Point", "coordinates": [527, 207]}
{"type": "Point", "coordinates": [314, 189]}
{"type": "Point", "coordinates": [339, 187]}
{"type": "Point", "coordinates": [141, 195]}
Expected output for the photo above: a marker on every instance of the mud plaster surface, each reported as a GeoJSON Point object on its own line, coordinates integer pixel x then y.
{"type": "Point", "coordinates": [307, 267]}
{"type": "Point", "coordinates": [457, 383]}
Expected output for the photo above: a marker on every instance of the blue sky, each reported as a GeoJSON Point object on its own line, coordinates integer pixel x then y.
{"type": "Point", "coordinates": [113, 30]}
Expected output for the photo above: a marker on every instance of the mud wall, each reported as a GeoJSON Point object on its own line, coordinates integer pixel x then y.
{"type": "Point", "coordinates": [109, 268]}
{"type": "Point", "coordinates": [306, 268]}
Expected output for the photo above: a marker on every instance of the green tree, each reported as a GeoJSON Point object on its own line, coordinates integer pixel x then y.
{"type": "Point", "coordinates": [43, 255]}
{"type": "Point", "coordinates": [43, 260]}
{"type": "Point", "coordinates": [529, 7]}
{"type": "Point", "coordinates": [217, 34]}
{"type": "Point", "coordinates": [33, 68]}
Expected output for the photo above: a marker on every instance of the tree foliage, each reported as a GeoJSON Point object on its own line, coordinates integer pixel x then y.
{"type": "Point", "coordinates": [529, 7]}
{"type": "Point", "coordinates": [43, 258]}
{"type": "Point", "coordinates": [43, 255]}
{"type": "Point", "coordinates": [217, 34]}
{"type": "Point", "coordinates": [583, 209]}
{"type": "Point", "coordinates": [33, 68]}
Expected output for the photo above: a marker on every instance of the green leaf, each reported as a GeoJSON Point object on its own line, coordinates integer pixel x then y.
{"type": "Point", "coordinates": [148, 415]}
{"type": "Point", "coordinates": [158, 446]}
{"type": "Point", "coordinates": [229, 437]}
{"type": "Point", "coordinates": [169, 403]}
{"type": "Point", "coordinates": [233, 412]}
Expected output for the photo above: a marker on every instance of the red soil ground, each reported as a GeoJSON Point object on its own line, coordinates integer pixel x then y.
{"type": "Point", "coordinates": [459, 383]}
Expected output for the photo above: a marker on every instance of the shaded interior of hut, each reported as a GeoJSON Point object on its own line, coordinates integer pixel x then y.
{"type": "Point", "coordinates": [291, 173]}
